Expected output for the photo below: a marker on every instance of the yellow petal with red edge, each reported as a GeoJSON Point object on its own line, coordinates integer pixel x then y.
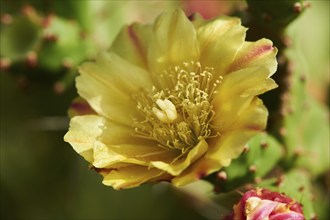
{"type": "Point", "coordinates": [181, 164]}
{"type": "Point", "coordinates": [130, 176]}
{"type": "Point", "coordinates": [108, 84]}
{"type": "Point", "coordinates": [131, 44]}
{"type": "Point", "coordinates": [173, 41]}
{"type": "Point", "coordinates": [253, 54]}
{"type": "Point", "coordinates": [219, 42]}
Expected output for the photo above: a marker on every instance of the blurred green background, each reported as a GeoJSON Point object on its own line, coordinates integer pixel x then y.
{"type": "Point", "coordinates": [41, 175]}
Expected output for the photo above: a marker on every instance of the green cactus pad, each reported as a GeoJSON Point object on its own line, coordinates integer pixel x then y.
{"type": "Point", "coordinates": [19, 38]}
{"type": "Point", "coordinates": [276, 14]}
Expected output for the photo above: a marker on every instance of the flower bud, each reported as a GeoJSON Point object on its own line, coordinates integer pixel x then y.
{"type": "Point", "coordinates": [262, 204]}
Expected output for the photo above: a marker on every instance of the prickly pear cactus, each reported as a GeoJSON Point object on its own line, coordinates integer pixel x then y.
{"type": "Point", "coordinates": [44, 41]}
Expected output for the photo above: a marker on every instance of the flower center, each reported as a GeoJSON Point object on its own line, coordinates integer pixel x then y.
{"type": "Point", "coordinates": [178, 111]}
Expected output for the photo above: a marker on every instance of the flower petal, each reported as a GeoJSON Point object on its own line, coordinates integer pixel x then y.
{"type": "Point", "coordinates": [130, 176]}
{"type": "Point", "coordinates": [117, 144]}
{"type": "Point", "coordinates": [131, 44]}
{"type": "Point", "coordinates": [231, 143]}
{"type": "Point", "coordinates": [113, 143]}
{"type": "Point", "coordinates": [253, 54]}
{"type": "Point", "coordinates": [82, 134]}
{"type": "Point", "coordinates": [108, 84]}
{"type": "Point", "coordinates": [236, 92]}
{"type": "Point", "coordinates": [104, 143]}
{"type": "Point", "coordinates": [178, 166]}
{"type": "Point", "coordinates": [253, 118]}
{"type": "Point", "coordinates": [219, 41]}
{"type": "Point", "coordinates": [231, 146]}
{"type": "Point", "coordinates": [105, 156]}
{"type": "Point", "coordinates": [196, 171]}
{"type": "Point", "coordinates": [173, 42]}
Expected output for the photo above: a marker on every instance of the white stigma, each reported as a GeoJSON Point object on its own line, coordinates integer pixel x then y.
{"type": "Point", "coordinates": [168, 112]}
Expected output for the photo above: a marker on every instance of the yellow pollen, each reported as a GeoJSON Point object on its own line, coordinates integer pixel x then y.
{"type": "Point", "coordinates": [168, 113]}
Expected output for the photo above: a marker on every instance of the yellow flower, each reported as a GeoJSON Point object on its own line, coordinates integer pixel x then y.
{"type": "Point", "coordinates": [173, 101]}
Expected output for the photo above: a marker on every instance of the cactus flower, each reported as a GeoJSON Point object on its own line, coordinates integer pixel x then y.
{"type": "Point", "coordinates": [172, 101]}
{"type": "Point", "coordinates": [262, 204]}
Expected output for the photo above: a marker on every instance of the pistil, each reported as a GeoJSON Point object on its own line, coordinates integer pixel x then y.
{"type": "Point", "coordinates": [168, 113]}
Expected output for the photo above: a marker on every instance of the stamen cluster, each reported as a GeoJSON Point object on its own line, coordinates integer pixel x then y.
{"type": "Point", "coordinates": [178, 111]}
